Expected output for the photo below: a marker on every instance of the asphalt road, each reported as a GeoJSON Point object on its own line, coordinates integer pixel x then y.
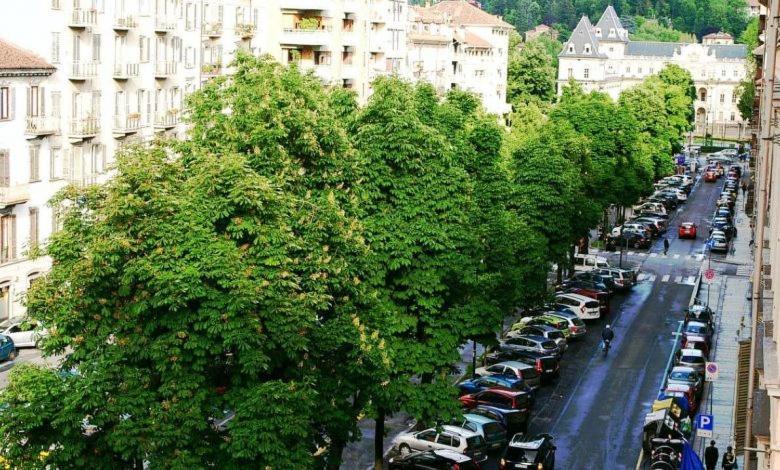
{"type": "Point", "coordinates": [26, 355]}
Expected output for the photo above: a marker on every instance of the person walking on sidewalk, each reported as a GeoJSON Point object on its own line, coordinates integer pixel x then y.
{"type": "Point", "coordinates": [729, 461]}
{"type": "Point", "coordinates": [666, 246]}
{"type": "Point", "coordinates": [711, 456]}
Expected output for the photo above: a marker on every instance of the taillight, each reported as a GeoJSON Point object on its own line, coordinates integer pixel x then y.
{"type": "Point", "coordinates": [582, 309]}
{"type": "Point", "coordinates": [456, 467]}
{"type": "Point", "coordinates": [539, 365]}
{"type": "Point", "coordinates": [574, 329]}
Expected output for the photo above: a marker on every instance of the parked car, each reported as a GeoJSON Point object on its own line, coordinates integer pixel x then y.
{"type": "Point", "coordinates": [628, 226]}
{"type": "Point", "coordinates": [679, 390]}
{"type": "Point", "coordinates": [25, 334]}
{"type": "Point", "coordinates": [524, 453]}
{"type": "Point", "coordinates": [491, 430]}
{"type": "Point", "coordinates": [585, 307]}
{"type": "Point", "coordinates": [582, 284]}
{"type": "Point", "coordinates": [701, 313]}
{"type": "Point", "coordinates": [601, 297]}
{"type": "Point", "coordinates": [449, 438]}
{"type": "Point", "coordinates": [597, 277]}
{"type": "Point", "coordinates": [512, 420]}
{"type": "Point", "coordinates": [545, 331]}
{"type": "Point", "coordinates": [697, 342]}
{"type": "Point", "coordinates": [531, 343]}
{"type": "Point", "coordinates": [577, 327]}
{"type": "Point", "coordinates": [629, 239]}
{"type": "Point", "coordinates": [718, 242]}
{"type": "Point", "coordinates": [478, 384]}
{"type": "Point", "coordinates": [658, 222]}
{"type": "Point", "coordinates": [438, 459]}
{"type": "Point", "coordinates": [686, 376]}
{"type": "Point", "coordinates": [521, 370]}
{"type": "Point", "coordinates": [8, 350]}
{"type": "Point", "coordinates": [687, 230]}
{"type": "Point", "coordinates": [710, 176]}
{"type": "Point", "coordinates": [543, 320]}
{"type": "Point", "coordinates": [588, 262]}
{"type": "Point", "coordinates": [500, 397]}
{"type": "Point", "coordinates": [695, 328]}
{"type": "Point", "coordinates": [623, 278]}
{"type": "Point", "coordinates": [692, 358]}
{"type": "Point", "coordinates": [545, 367]}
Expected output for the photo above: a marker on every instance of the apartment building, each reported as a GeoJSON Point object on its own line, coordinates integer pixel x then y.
{"type": "Point", "coordinates": [757, 415]}
{"type": "Point", "coordinates": [454, 44]}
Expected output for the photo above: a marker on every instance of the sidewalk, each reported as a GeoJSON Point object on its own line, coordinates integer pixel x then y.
{"type": "Point", "coordinates": [729, 300]}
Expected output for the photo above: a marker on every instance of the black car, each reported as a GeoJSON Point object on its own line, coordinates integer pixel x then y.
{"type": "Point", "coordinates": [546, 365]}
{"type": "Point", "coordinates": [433, 460]}
{"type": "Point", "coordinates": [512, 420]}
{"type": "Point", "coordinates": [628, 239]}
{"type": "Point", "coordinates": [529, 453]}
{"type": "Point", "coordinates": [592, 276]}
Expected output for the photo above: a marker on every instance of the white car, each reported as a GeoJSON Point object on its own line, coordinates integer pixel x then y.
{"type": "Point", "coordinates": [24, 334]}
{"type": "Point", "coordinates": [628, 227]}
{"type": "Point", "coordinates": [589, 262]}
{"type": "Point", "coordinates": [452, 438]}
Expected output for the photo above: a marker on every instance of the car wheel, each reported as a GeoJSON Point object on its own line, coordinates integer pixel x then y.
{"type": "Point", "coordinates": [14, 354]}
{"type": "Point", "coordinates": [404, 450]}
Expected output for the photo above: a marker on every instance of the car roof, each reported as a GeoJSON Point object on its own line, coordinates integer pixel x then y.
{"type": "Point", "coordinates": [687, 224]}
{"type": "Point", "coordinates": [519, 442]}
{"type": "Point", "coordinates": [683, 369]}
{"type": "Point", "coordinates": [579, 297]}
{"type": "Point", "coordinates": [563, 315]}
{"type": "Point", "coordinates": [515, 364]}
{"type": "Point", "coordinates": [478, 418]}
{"type": "Point", "coordinates": [697, 323]}
{"type": "Point", "coordinates": [458, 430]}
{"type": "Point", "coordinates": [537, 338]}
{"type": "Point", "coordinates": [543, 327]}
{"type": "Point", "coordinates": [452, 455]}
{"type": "Point", "coordinates": [692, 352]}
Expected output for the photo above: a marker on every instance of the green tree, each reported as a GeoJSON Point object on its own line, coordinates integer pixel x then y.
{"type": "Point", "coordinates": [747, 97]}
{"type": "Point", "coordinates": [652, 30]}
{"type": "Point", "coordinates": [531, 75]}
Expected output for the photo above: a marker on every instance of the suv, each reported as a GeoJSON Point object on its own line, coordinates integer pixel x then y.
{"type": "Point", "coordinates": [499, 396]}
{"type": "Point", "coordinates": [545, 331]}
{"type": "Point", "coordinates": [585, 307]}
{"type": "Point", "coordinates": [531, 343]}
{"type": "Point", "coordinates": [588, 262]}
{"type": "Point", "coordinates": [521, 370]}
{"type": "Point", "coordinates": [450, 438]}
{"type": "Point", "coordinates": [512, 420]}
{"type": "Point", "coordinates": [7, 348]}
{"type": "Point", "coordinates": [490, 429]}
{"type": "Point", "coordinates": [524, 453]}
{"type": "Point", "coordinates": [577, 327]}
{"type": "Point", "coordinates": [623, 278]}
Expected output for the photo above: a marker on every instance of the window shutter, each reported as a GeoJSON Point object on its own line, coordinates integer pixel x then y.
{"type": "Point", "coordinates": [33, 226]}
{"type": "Point", "coordinates": [29, 101]}
{"type": "Point", "coordinates": [66, 164]}
{"type": "Point", "coordinates": [5, 169]}
{"type": "Point", "coordinates": [12, 107]}
{"type": "Point", "coordinates": [13, 237]}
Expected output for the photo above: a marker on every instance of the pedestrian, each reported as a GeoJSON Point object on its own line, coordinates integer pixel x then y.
{"type": "Point", "coordinates": [729, 460]}
{"type": "Point", "coordinates": [666, 246]}
{"type": "Point", "coordinates": [744, 188]}
{"type": "Point", "coordinates": [711, 456]}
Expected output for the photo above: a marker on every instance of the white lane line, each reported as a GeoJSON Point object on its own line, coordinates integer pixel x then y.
{"type": "Point", "coordinates": [631, 253]}
{"type": "Point", "coordinates": [665, 278]}
{"type": "Point", "coordinates": [678, 279]}
{"type": "Point", "coordinates": [699, 257]}
{"type": "Point", "coordinates": [653, 255]}
{"type": "Point", "coordinates": [642, 277]}
{"type": "Point", "coordinates": [676, 256]}
{"type": "Point", "coordinates": [690, 280]}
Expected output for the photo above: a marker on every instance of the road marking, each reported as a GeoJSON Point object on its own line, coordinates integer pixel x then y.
{"type": "Point", "coordinates": [700, 257]}
{"type": "Point", "coordinates": [631, 253]}
{"type": "Point", "coordinates": [678, 279]}
{"type": "Point", "coordinates": [676, 256]}
{"type": "Point", "coordinates": [690, 280]}
{"type": "Point", "coordinates": [653, 255]}
{"type": "Point", "coordinates": [665, 278]}
{"type": "Point", "coordinates": [641, 277]}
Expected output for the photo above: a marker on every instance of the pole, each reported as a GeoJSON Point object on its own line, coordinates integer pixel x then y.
{"type": "Point", "coordinates": [474, 361]}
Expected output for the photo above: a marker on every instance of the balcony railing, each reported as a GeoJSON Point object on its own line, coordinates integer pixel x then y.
{"type": "Point", "coordinates": [307, 37]}
{"type": "Point", "coordinates": [245, 30]}
{"type": "Point", "coordinates": [124, 71]}
{"type": "Point", "coordinates": [163, 24]}
{"type": "Point", "coordinates": [164, 69]}
{"type": "Point", "coordinates": [83, 18]}
{"type": "Point", "coordinates": [14, 194]}
{"type": "Point", "coordinates": [84, 127]}
{"type": "Point", "coordinates": [41, 125]}
{"type": "Point", "coordinates": [212, 29]}
{"type": "Point", "coordinates": [127, 123]}
{"type": "Point", "coordinates": [83, 70]}
{"type": "Point", "coordinates": [166, 120]}
{"type": "Point", "coordinates": [124, 23]}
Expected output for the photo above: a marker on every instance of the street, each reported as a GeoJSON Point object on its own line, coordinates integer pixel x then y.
{"type": "Point", "coordinates": [26, 355]}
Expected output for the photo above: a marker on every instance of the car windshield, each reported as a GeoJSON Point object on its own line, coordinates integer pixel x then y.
{"type": "Point", "coordinates": [475, 442]}
{"type": "Point", "coordinates": [680, 375]}
{"type": "Point", "coordinates": [696, 329]}
{"type": "Point", "coordinates": [555, 335]}
{"type": "Point", "coordinates": [493, 428]}
{"type": "Point", "coordinates": [578, 322]}
{"type": "Point", "coordinates": [693, 359]}
{"type": "Point", "coordinates": [520, 455]}
{"type": "Point", "coordinates": [592, 304]}
{"type": "Point", "coordinates": [548, 344]}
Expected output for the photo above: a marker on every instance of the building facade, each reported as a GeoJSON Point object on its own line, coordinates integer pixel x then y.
{"type": "Point", "coordinates": [758, 421]}
{"type": "Point", "coordinates": [601, 57]}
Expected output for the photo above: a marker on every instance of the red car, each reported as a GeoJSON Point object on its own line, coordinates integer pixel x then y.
{"type": "Point", "coordinates": [501, 397]}
{"type": "Point", "coordinates": [710, 176]}
{"type": "Point", "coordinates": [687, 230]}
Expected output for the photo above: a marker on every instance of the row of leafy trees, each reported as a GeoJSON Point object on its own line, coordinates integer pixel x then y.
{"type": "Point", "coordinates": [697, 17]}
{"type": "Point", "coordinates": [301, 263]}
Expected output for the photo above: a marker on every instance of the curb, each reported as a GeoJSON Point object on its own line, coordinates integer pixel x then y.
{"type": "Point", "coordinates": [7, 366]}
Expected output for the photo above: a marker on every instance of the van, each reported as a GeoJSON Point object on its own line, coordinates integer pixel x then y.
{"type": "Point", "coordinates": [585, 307]}
{"type": "Point", "coordinates": [589, 262]}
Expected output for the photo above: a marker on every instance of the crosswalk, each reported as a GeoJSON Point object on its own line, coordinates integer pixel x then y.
{"type": "Point", "coordinates": [644, 254]}
{"type": "Point", "coordinates": [744, 270]}
{"type": "Point", "coordinates": [683, 280]}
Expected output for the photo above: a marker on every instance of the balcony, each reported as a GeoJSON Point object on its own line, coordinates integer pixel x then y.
{"type": "Point", "coordinates": [245, 30]}
{"type": "Point", "coordinates": [37, 126]}
{"type": "Point", "coordinates": [164, 69]}
{"type": "Point", "coordinates": [15, 194]}
{"type": "Point", "coordinates": [306, 37]}
{"type": "Point", "coordinates": [165, 120]}
{"type": "Point", "coordinates": [83, 70]}
{"type": "Point", "coordinates": [126, 124]}
{"type": "Point", "coordinates": [81, 19]}
{"type": "Point", "coordinates": [84, 128]}
{"type": "Point", "coordinates": [319, 5]}
{"type": "Point", "coordinates": [164, 24]}
{"type": "Point", "coordinates": [125, 71]}
{"type": "Point", "coordinates": [124, 23]}
{"type": "Point", "coordinates": [211, 70]}
{"type": "Point", "coordinates": [212, 29]}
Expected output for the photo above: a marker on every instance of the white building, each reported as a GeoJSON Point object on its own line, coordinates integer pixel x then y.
{"type": "Point", "coordinates": [28, 178]}
{"type": "Point", "coordinates": [454, 44]}
{"type": "Point", "coordinates": [603, 58]}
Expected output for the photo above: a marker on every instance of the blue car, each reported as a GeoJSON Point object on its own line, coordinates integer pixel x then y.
{"type": "Point", "coordinates": [483, 383]}
{"type": "Point", "coordinates": [7, 349]}
{"type": "Point", "coordinates": [514, 421]}
{"type": "Point", "coordinates": [490, 429]}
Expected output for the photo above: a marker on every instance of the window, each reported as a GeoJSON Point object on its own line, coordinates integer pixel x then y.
{"type": "Point", "coordinates": [189, 17]}
{"type": "Point", "coordinates": [611, 49]}
{"type": "Point", "coordinates": [445, 440]}
{"type": "Point", "coordinates": [55, 164]}
{"type": "Point", "coordinates": [571, 48]}
{"type": "Point", "coordinates": [586, 73]}
{"type": "Point", "coordinates": [7, 238]}
{"type": "Point", "coordinates": [733, 116]}
{"type": "Point", "coordinates": [733, 97]}
{"type": "Point", "coordinates": [96, 48]}
{"type": "Point", "coordinates": [571, 73]}
{"type": "Point", "coordinates": [628, 69]}
{"type": "Point", "coordinates": [34, 101]}
{"type": "Point", "coordinates": [55, 4]}
{"type": "Point", "coordinates": [587, 49]}
{"type": "Point", "coordinates": [35, 167]}
{"type": "Point", "coordinates": [33, 226]}
{"type": "Point", "coordinates": [640, 70]}
{"type": "Point", "coordinates": [722, 97]}
{"type": "Point", "coordinates": [652, 70]}
{"type": "Point", "coordinates": [5, 169]}
{"type": "Point", "coordinates": [143, 49]}
{"type": "Point", "coordinates": [55, 48]}
{"type": "Point", "coordinates": [56, 97]}
{"type": "Point", "coordinates": [6, 108]}
{"type": "Point", "coordinates": [723, 73]}
{"type": "Point", "coordinates": [429, 436]}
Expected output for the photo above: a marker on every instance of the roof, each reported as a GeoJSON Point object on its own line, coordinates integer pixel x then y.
{"type": "Point", "coordinates": [718, 35]}
{"type": "Point", "coordinates": [582, 38]}
{"type": "Point", "coordinates": [15, 60]}
{"type": "Point", "coordinates": [473, 40]}
{"type": "Point", "coordinates": [653, 49]}
{"type": "Point", "coordinates": [610, 22]}
{"type": "Point", "coordinates": [729, 51]}
{"type": "Point", "coordinates": [425, 15]}
{"type": "Point", "coordinates": [464, 13]}
{"type": "Point", "coordinates": [478, 418]}
{"type": "Point", "coordinates": [458, 430]}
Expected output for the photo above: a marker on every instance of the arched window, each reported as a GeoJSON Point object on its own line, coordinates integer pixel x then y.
{"type": "Point", "coordinates": [702, 94]}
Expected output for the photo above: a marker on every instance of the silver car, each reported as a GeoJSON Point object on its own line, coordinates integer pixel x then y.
{"type": "Point", "coordinates": [718, 242]}
{"type": "Point", "coordinates": [452, 438]}
{"type": "Point", "coordinates": [693, 358]}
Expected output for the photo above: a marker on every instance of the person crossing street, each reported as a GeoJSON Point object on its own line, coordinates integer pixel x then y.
{"type": "Point", "coordinates": [666, 246]}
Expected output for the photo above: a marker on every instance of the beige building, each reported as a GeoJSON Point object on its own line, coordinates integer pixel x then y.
{"type": "Point", "coordinates": [541, 30]}
{"type": "Point", "coordinates": [601, 57]}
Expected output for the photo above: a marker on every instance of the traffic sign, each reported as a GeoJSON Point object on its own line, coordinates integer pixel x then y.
{"type": "Point", "coordinates": [704, 425]}
{"type": "Point", "coordinates": [709, 275]}
{"type": "Point", "coordinates": [711, 371]}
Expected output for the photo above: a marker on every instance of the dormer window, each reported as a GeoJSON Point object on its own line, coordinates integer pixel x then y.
{"type": "Point", "coordinates": [598, 32]}
{"type": "Point", "coordinates": [587, 49]}
{"type": "Point", "coordinates": [612, 32]}
{"type": "Point", "coordinates": [571, 48]}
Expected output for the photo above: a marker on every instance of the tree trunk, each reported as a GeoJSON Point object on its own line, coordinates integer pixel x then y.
{"type": "Point", "coordinates": [379, 439]}
{"type": "Point", "coordinates": [560, 271]}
